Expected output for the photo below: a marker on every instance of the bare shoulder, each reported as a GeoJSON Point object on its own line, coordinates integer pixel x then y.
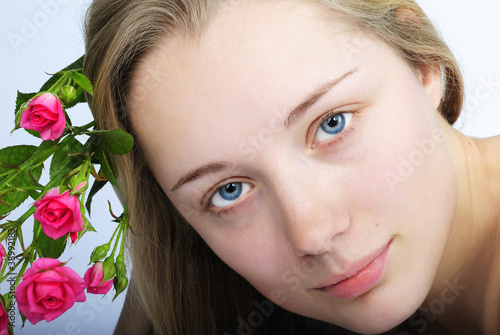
{"type": "Point", "coordinates": [490, 152]}
{"type": "Point", "coordinates": [491, 156]}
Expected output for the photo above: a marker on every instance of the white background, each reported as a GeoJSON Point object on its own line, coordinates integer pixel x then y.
{"type": "Point", "coordinates": [471, 29]}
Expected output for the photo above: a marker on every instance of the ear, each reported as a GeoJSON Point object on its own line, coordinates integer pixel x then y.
{"type": "Point", "coordinates": [429, 76]}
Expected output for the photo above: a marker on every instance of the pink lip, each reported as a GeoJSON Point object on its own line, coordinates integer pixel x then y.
{"type": "Point", "coordinates": [361, 277]}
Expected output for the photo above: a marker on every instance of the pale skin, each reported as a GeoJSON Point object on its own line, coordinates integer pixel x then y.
{"type": "Point", "coordinates": [313, 203]}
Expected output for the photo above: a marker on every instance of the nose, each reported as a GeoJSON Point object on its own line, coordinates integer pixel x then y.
{"type": "Point", "coordinates": [311, 213]}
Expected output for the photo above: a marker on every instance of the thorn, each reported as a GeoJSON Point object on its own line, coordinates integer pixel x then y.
{"type": "Point", "coordinates": [9, 166]}
{"type": "Point", "coordinates": [33, 179]}
{"type": "Point", "coordinates": [4, 203]}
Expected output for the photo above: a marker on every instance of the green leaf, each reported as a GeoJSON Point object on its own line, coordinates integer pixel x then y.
{"type": "Point", "coordinates": [33, 132]}
{"type": "Point", "coordinates": [43, 152]}
{"type": "Point", "coordinates": [83, 82]}
{"type": "Point", "coordinates": [106, 166]}
{"type": "Point", "coordinates": [23, 318]}
{"type": "Point", "coordinates": [76, 65]}
{"type": "Point", "coordinates": [47, 246]}
{"type": "Point", "coordinates": [16, 155]}
{"type": "Point", "coordinates": [96, 187]}
{"type": "Point", "coordinates": [23, 98]}
{"type": "Point", "coordinates": [64, 160]}
{"type": "Point", "coordinates": [118, 141]}
{"type": "Point", "coordinates": [10, 158]}
{"type": "Point", "coordinates": [87, 226]}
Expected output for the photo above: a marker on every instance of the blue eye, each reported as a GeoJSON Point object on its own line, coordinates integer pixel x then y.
{"type": "Point", "coordinates": [332, 126]}
{"type": "Point", "coordinates": [229, 194]}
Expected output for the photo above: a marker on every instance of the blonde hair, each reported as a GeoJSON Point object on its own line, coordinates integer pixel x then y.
{"type": "Point", "coordinates": [182, 285]}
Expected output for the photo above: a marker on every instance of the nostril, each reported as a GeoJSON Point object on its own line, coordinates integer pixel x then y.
{"type": "Point", "coordinates": [315, 235]}
{"type": "Point", "coordinates": [312, 242]}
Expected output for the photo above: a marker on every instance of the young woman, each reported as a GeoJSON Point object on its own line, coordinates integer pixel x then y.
{"type": "Point", "coordinates": [296, 169]}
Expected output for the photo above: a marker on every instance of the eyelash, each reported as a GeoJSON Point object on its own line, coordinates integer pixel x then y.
{"type": "Point", "coordinates": [207, 203]}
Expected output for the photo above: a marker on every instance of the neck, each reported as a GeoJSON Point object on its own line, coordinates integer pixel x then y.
{"type": "Point", "coordinates": [464, 297]}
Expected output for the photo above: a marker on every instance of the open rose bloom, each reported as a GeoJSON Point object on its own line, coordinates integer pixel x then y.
{"type": "Point", "coordinates": [59, 214]}
{"type": "Point", "coordinates": [2, 254]}
{"type": "Point", "coordinates": [4, 321]}
{"type": "Point", "coordinates": [45, 115]}
{"type": "Point", "coordinates": [48, 290]}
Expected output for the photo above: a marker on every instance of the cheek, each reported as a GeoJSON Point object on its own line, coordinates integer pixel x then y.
{"type": "Point", "coordinates": [408, 188]}
{"type": "Point", "coordinates": [254, 250]}
{"type": "Point", "coordinates": [407, 170]}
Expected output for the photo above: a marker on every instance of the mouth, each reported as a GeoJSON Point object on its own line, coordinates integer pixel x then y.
{"type": "Point", "coordinates": [360, 278]}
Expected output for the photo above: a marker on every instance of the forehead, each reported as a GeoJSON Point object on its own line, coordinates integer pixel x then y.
{"type": "Point", "coordinates": [205, 95]}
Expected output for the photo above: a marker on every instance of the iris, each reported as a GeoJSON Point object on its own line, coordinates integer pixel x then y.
{"type": "Point", "coordinates": [231, 191]}
{"type": "Point", "coordinates": [334, 125]}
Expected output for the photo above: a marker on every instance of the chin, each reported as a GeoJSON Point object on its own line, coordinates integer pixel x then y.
{"type": "Point", "coordinates": [382, 310]}
{"type": "Point", "coordinates": [381, 324]}
{"type": "Point", "coordinates": [376, 327]}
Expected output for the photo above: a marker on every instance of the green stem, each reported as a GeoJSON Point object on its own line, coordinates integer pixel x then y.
{"type": "Point", "coordinates": [113, 236]}
{"type": "Point", "coordinates": [27, 164]}
{"type": "Point", "coordinates": [21, 273]}
{"type": "Point", "coordinates": [5, 231]}
{"type": "Point", "coordinates": [117, 241]}
{"type": "Point", "coordinates": [70, 77]}
{"type": "Point", "coordinates": [54, 87]}
{"type": "Point", "coordinates": [15, 225]}
{"type": "Point", "coordinates": [21, 239]}
{"type": "Point", "coordinates": [25, 217]}
{"type": "Point", "coordinates": [60, 82]}
{"type": "Point", "coordinates": [82, 130]}
{"type": "Point", "coordinates": [7, 173]}
{"type": "Point", "coordinates": [9, 250]}
{"type": "Point", "coordinates": [12, 270]}
{"type": "Point", "coordinates": [122, 245]}
{"type": "Point", "coordinates": [33, 188]}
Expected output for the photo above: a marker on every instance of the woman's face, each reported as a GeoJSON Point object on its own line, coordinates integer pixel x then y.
{"type": "Point", "coordinates": [309, 157]}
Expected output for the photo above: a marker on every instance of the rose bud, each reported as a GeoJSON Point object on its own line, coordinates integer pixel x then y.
{"type": "Point", "coordinates": [94, 280]}
{"type": "Point", "coordinates": [120, 284]}
{"type": "Point", "coordinates": [99, 253]}
{"type": "Point", "coordinates": [68, 93]}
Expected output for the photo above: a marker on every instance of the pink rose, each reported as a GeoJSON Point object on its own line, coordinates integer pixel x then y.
{"type": "Point", "coordinates": [93, 278]}
{"type": "Point", "coordinates": [59, 214]}
{"type": "Point", "coordinates": [48, 290]}
{"type": "Point", "coordinates": [2, 255]}
{"type": "Point", "coordinates": [45, 114]}
{"type": "Point", "coordinates": [4, 321]}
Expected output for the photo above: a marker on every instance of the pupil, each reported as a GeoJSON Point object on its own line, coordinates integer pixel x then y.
{"type": "Point", "coordinates": [333, 121]}
{"type": "Point", "coordinates": [334, 124]}
{"type": "Point", "coordinates": [231, 188]}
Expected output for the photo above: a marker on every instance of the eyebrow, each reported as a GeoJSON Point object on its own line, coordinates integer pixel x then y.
{"type": "Point", "coordinates": [200, 172]}
{"type": "Point", "coordinates": [300, 110]}
{"type": "Point", "coordinates": [293, 117]}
